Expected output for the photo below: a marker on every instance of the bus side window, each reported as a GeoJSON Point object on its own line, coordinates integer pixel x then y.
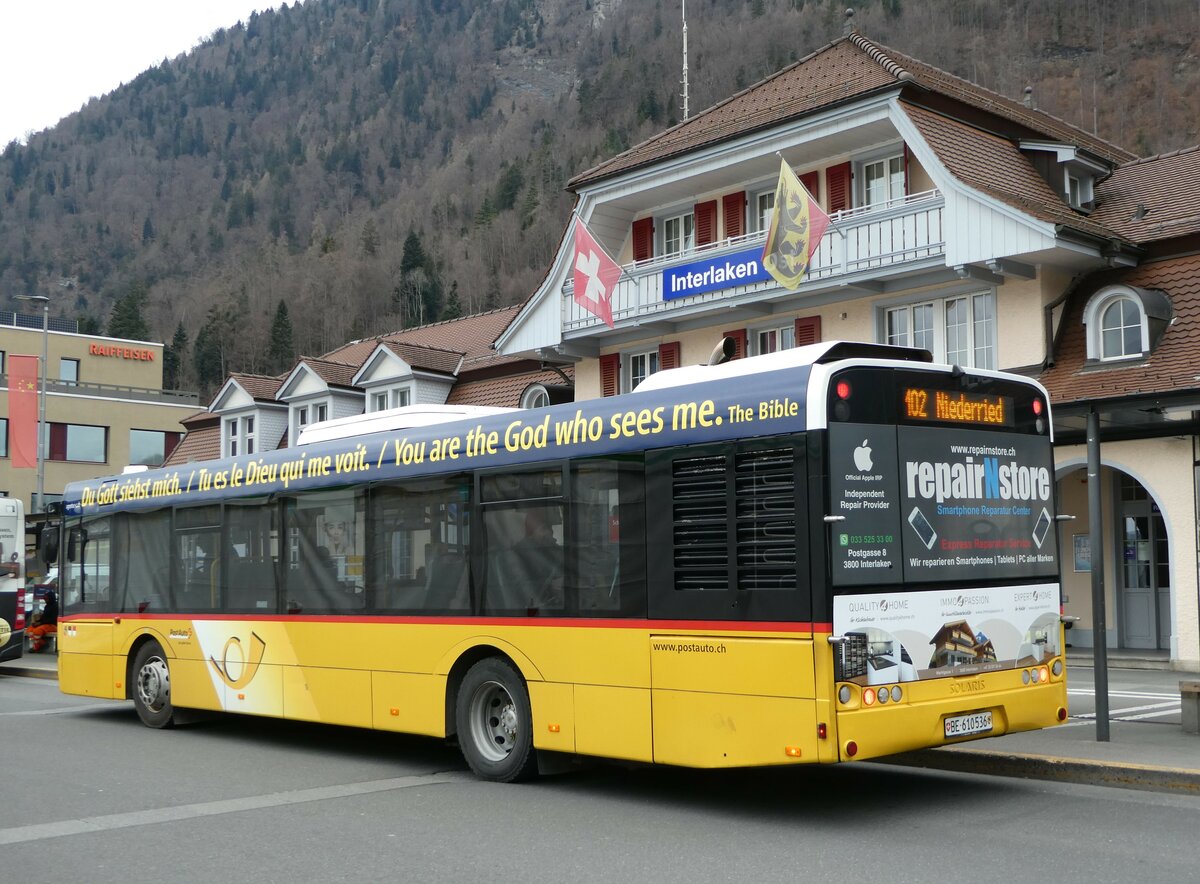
{"type": "Point", "coordinates": [608, 572]}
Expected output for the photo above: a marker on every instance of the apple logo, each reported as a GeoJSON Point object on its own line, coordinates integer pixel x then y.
{"type": "Point", "coordinates": [862, 457]}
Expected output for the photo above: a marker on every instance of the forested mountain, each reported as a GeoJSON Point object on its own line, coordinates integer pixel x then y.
{"type": "Point", "coordinates": [376, 164]}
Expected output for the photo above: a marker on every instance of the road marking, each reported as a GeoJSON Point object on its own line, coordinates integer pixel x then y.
{"type": "Point", "coordinates": [60, 711]}
{"type": "Point", "coordinates": [42, 831]}
{"type": "Point", "coordinates": [1169, 708]}
{"type": "Point", "coordinates": [1131, 695]}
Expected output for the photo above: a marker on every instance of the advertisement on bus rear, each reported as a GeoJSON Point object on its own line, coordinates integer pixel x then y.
{"type": "Point", "coordinates": [922, 505]}
{"type": "Point", "coordinates": [933, 633]}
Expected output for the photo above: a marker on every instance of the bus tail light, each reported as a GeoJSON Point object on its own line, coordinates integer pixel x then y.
{"type": "Point", "coordinates": [1062, 714]}
{"type": "Point", "coordinates": [868, 696]}
{"type": "Point", "coordinates": [791, 751]}
{"type": "Point", "coordinates": [851, 748]}
{"type": "Point", "coordinates": [822, 730]}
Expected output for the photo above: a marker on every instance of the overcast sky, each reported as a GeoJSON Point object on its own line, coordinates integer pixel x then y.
{"type": "Point", "coordinates": [57, 54]}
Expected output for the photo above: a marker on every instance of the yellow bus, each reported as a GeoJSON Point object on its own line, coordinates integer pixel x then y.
{"type": "Point", "coordinates": [835, 552]}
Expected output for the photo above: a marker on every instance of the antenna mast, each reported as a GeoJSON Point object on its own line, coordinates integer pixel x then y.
{"type": "Point", "coordinates": [683, 12]}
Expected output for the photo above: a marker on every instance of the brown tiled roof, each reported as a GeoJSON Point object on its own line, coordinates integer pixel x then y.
{"type": "Point", "coordinates": [258, 386]}
{"type": "Point", "coordinates": [1172, 367]}
{"type": "Point", "coordinates": [997, 167]}
{"type": "Point", "coordinates": [848, 68]}
{"type": "Point", "coordinates": [427, 358]}
{"type": "Point", "coordinates": [201, 442]}
{"type": "Point", "coordinates": [947, 84]}
{"type": "Point", "coordinates": [501, 391]}
{"type": "Point", "coordinates": [337, 374]}
{"type": "Point", "coordinates": [1166, 186]}
{"type": "Point", "coordinates": [470, 335]}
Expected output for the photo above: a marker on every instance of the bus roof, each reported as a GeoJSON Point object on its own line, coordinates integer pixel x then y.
{"type": "Point", "coordinates": [808, 355]}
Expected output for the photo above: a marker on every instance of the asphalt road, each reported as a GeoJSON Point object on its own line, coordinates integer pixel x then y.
{"type": "Point", "coordinates": [91, 795]}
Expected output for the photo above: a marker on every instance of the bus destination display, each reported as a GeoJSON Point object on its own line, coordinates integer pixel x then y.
{"type": "Point", "coordinates": [922, 404]}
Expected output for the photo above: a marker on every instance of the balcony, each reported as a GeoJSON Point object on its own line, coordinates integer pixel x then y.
{"type": "Point", "coordinates": [861, 247]}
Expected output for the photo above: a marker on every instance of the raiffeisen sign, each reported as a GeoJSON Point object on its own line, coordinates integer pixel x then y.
{"type": "Point", "coordinates": [712, 274]}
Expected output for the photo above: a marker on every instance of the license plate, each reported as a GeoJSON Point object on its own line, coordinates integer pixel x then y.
{"type": "Point", "coordinates": [966, 725]}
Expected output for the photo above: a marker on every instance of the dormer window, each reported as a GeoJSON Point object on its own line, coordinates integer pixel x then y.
{"type": "Point", "coordinates": [1125, 322]}
{"type": "Point", "coordinates": [1070, 170]}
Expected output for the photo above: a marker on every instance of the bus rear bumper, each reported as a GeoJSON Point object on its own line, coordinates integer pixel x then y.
{"type": "Point", "coordinates": [880, 730]}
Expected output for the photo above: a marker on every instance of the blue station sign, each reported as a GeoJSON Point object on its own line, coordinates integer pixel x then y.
{"type": "Point", "coordinates": [712, 274]}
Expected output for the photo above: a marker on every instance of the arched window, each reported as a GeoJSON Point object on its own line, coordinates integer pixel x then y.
{"type": "Point", "coordinates": [1120, 329]}
{"type": "Point", "coordinates": [535, 396]}
{"type": "Point", "coordinates": [1125, 322]}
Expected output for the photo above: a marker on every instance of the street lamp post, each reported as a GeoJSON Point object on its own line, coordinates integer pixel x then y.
{"type": "Point", "coordinates": [38, 501]}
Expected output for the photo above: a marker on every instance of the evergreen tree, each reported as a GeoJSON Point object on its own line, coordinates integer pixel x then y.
{"type": "Point", "coordinates": [173, 355]}
{"type": "Point", "coordinates": [127, 319]}
{"type": "Point", "coordinates": [207, 355]}
{"type": "Point", "coordinates": [283, 347]}
{"type": "Point", "coordinates": [453, 308]}
{"type": "Point", "coordinates": [88, 325]}
{"type": "Point", "coordinates": [414, 254]}
{"type": "Point", "coordinates": [369, 239]}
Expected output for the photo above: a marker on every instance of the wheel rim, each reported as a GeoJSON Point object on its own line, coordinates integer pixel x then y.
{"type": "Point", "coordinates": [154, 684]}
{"type": "Point", "coordinates": [494, 722]}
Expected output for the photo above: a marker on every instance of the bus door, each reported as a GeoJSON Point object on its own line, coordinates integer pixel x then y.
{"type": "Point", "coordinates": [85, 600]}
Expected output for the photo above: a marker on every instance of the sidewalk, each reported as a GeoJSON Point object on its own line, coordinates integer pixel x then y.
{"type": "Point", "coordinates": [1139, 755]}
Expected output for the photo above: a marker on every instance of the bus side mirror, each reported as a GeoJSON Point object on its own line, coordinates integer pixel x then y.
{"type": "Point", "coordinates": [48, 544]}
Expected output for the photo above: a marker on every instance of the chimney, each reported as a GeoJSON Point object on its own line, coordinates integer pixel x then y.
{"type": "Point", "coordinates": [1029, 96]}
{"type": "Point", "coordinates": [848, 27]}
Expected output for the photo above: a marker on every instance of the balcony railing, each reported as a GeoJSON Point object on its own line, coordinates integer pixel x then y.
{"type": "Point", "coordinates": [865, 243]}
{"type": "Point", "coordinates": [116, 391]}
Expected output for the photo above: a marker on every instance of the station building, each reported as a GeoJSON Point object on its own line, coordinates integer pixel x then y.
{"type": "Point", "coordinates": [965, 222]}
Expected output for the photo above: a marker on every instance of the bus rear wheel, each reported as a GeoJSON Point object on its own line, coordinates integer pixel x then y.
{"type": "Point", "coordinates": [495, 722]}
{"type": "Point", "coordinates": [152, 686]}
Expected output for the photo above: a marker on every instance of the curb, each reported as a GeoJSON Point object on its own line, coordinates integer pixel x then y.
{"type": "Point", "coordinates": [1124, 775]}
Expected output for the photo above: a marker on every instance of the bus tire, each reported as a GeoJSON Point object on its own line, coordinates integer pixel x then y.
{"type": "Point", "coordinates": [495, 722]}
{"type": "Point", "coordinates": [152, 686]}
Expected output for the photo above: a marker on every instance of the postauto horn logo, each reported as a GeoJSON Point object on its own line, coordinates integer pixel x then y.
{"type": "Point", "coordinates": [248, 663]}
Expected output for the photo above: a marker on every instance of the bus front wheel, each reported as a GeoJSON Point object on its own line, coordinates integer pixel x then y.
{"type": "Point", "coordinates": [152, 686]}
{"type": "Point", "coordinates": [495, 721]}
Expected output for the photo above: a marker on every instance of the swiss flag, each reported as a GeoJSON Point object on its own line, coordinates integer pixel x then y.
{"type": "Point", "coordinates": [596, 275]}
{"type": "Point", "coordinates": [23, 411]}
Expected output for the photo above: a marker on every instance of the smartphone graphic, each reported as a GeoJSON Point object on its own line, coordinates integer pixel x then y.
{"type": "Point", "coordinates": [1040, 529]}
{"type": "Point", "coordinates": [921, 525]}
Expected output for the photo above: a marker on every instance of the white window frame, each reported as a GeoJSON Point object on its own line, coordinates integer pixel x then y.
{"type": "Point", "coordinates": [979, 328]}
{"type": "Point", "coordinates": [785, 338]}
{"type": "Point", "coordinates": [685, 241]}
{"type": "Point", "coordinates": [535, 397]}
{"type": "Point", "coordinates": [1093, 319]}
{"type": "Point", "coordinates": [649, 366]}
{"type": "Point", "coordinates": [763, 203]}
{"type": "Point", "coordinates": [891, 179]}
{"type": "Point", "coordinates": [401, 397]}
{"type": "Point", "coordinates": [320, 412]}
{"type": "Point", "coordinates": [240, 433]}
{"type": "Point", "coordinates": [379, 400]}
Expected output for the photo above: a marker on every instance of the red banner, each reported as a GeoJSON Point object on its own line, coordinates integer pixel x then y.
{"type": "Point", "coordinates": [23, 411]}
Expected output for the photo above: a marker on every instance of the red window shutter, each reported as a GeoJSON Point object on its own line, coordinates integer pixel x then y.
{"type": "Point", "coordinates": [734, 207]}
{"type": "Point", "coordinates": [808, 330]}
{"type": "Point", "coordinates": [812, 183]}
{"type": "Point", "coordinates": [837, 180]}
{"type": "Point", "coordinates": [706, 223]}
{"type": "Point", "coordinates": [643, 239]}
{"type": "Point", "coordinates": [610, 374]}
{"type": "Point", "coordinates": [739, 339]}
{"type": "Point", "coordinates": [170, 440]}
{"type": "Point", "coordinates": [668, 355]}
